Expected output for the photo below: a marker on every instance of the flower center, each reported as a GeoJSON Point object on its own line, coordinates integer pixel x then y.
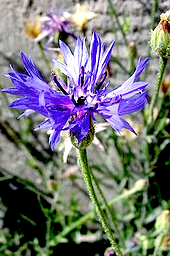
{"type": "Point", "coordinates": [80, 101]}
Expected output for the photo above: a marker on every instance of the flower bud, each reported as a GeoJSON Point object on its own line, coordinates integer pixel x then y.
{"type": "Point", "coordinates": [160, 36]}
{"type": "Point", "coordinates": [141, 184]}
{"type": "Point", "coordinates": [109, 252]}
{"type": "Point", "coordinates": [132, 51]}
{"type": "Point", "coordinates": [163, 222]}
{"type": "Point", "coordinates": [51, 185]}
{"type": "Point", "coordinates": [86, 141]}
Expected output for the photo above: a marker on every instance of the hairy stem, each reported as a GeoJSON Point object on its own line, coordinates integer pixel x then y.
{"type": "Point", "coordinates": [154, 8]}
{"type": "Point", "coordinates": [110, 213]}
{"type": "Point", "coordinates": [162, 66]}
{"type": "Point", "coordinates": [83, 163]}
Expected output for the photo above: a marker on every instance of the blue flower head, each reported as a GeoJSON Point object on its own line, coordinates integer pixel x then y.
{"type": "Point", "coordinates": [74, 105]}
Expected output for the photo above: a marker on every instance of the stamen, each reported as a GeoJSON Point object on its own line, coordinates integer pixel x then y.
{"type": "Point", "coordinates": [82, 76]}
{"type": "Point", "coordinates": [80, 101]}
{"type": "Point", "coordinates": [59, 85]}
{"type": "Point", "coordinates": [103, 77]}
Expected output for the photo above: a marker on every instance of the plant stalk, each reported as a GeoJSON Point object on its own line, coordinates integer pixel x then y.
{"type": "Point", "coordinates": [113, 13]}
{"type": "Point", "coordinates": [157, 248]}
{"type": "Point", "coordinates": [162, 65]}
{"type": "Point", "coordinates": [110, 213]}
{"type": "Point", "coordinates": [43, 56]}
{"type": "Point", "coordinates": [84, 167]}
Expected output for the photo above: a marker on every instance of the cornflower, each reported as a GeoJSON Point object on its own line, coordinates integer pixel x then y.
{"type": "Point", "coordinates": [51, 24]}
{"type": "Point", "coordinates": [74, 105]}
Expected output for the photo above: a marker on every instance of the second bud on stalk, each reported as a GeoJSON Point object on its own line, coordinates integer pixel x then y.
{"type": "Point", "coordinates": [160, 36]}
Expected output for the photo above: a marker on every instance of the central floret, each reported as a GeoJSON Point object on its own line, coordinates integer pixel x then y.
{"type": "Point", "coordinates": [80, 101]}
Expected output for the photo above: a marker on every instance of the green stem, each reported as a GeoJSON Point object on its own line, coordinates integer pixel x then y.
{"type": "Point", "coordinates": [43, 56]}
{"type": "Point", "coordinates": [154, 8]}
{"type": "Point", "coordinates": [83, 163]}
{"type": "Point", "coordinates": [90, 215]}
{"type": "Point", "coordinates": [153, 11]}
{"type": "Point", "coordinates": [113, 13]}
{"type": "Point", "coordinates": [117, 61]}
{"type": "Point", "coordinates": [162, 66]}
{"type": "Point", "coordinates": [161, 237]}
{"type": "Point", "coordinates": [111, 217]}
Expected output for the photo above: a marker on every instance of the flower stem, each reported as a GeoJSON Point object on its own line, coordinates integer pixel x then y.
{"type": "Point", "coordinates": [154, 8]}
{"type": "Point", "coordinates": [161, 237]}
{"type": "Point", "coordinates": [83, 163]}
{"type": "Point", "coordinates": [110, 213]}
{"type": "Point", "coordinates": [43, 56]}
{"type": "Point", "coordinates": [114, 14]}
{"type": "Point", "coordinates": [162, 66]}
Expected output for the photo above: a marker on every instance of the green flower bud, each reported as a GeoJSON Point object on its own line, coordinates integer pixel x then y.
{"type": "Point", "coordinates": [132, 50]}
{"type": "Point", "coordinates": [52, 185]}
{"type": "Point", "coordinates": [141, 184]}
{"type": "Point", "coordinates": [86, 141]}
{"type": "Point", "coordinates": [163, 222]}
{"type": "Point", "coordinates": [160, 36]}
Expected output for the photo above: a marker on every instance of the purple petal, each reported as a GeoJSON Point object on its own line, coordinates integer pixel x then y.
{"type": "Point", "coordinates": [80, 128]}
{"type": "Point", "coordinates": [13, 91]}
{"type": "Point", "coordinates": [26, 113]}
{"type": "Point", "coordinates": [43, 125]}
{"type": "Point", "coordinates": [25, 83]}
{"type": "Point", "coordinates": [105, 59]}
{"type": "Point", "coordinates": [141, 65]}
{"type": "Point", "coordinates": [41, 99]}
{"type": "Point", "coordinates": [128, 86]}
{"type": "Point", "coordinates": [30, 66]}
{"type": "Point", "coordinates": [58, 120]}
{"type": "Point", "coordinates": [54, 138]}
{"type": "Point", "coordinates": [108, 111]}
{"type": "Point", "coordinates": [78, 52]}
{"type": "Point", "coordinates": [66, 52]}
{"type": "Point", "coordinates": [95, 51]}
{"type": "Point", "coordinates": [117, 123]}
{"type": "Point", "coordinates": [28, 103]}
{"type": "Point", "coordinates": [128, 106]}
{"type": "Point", "coordinates": [69, 59]}
{"type": "Point", "coordinates": [20, 104]}
{"type": "Point", "coordinates": [137, 86]}
{"type": "Point", "coordinates": [63, 68]}
{"type": "Point", "coordinates": [85, 56]}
